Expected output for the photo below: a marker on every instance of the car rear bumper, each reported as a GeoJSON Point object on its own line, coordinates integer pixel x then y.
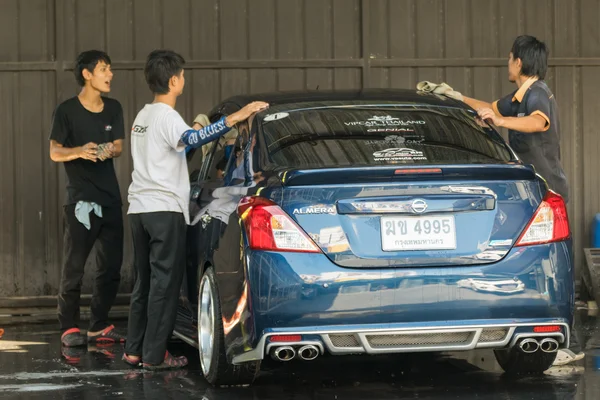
{"type": "Point", "coordinates": [409, 338]}
{"type": "Point", "coordinates": [307, 294]}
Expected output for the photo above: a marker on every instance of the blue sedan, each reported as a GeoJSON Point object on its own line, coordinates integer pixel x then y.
{"type": "Point", "coordinates": [370, 222]}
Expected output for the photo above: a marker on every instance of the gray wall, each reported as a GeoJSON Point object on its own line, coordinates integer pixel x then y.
{"type": "Point", "coordinates": [235, 46]}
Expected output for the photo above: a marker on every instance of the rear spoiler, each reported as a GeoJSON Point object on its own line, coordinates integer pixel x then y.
{"type": "Point", "coordinates": [400, 173]}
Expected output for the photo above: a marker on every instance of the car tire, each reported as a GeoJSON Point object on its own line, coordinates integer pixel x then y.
{"type": "Point", "coordinates": [213, 360]}
{"type": "Point", "coordinates": [515, 362]}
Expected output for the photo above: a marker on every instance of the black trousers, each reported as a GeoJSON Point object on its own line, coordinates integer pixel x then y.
{"type": "Point", "coordinates": [159, 260]}
{"type": "Point", "coordinates": [107, 233]}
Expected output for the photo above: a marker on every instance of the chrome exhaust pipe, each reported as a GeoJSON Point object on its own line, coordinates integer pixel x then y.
{"type": "Point", "coordinates": [529, 345]}
{"type": "Point", "coordinates": [283, 353]}
{"type": "Point", "coordinates": [549, 345]}
{"type": "Point", "coordinates": [308, 352]}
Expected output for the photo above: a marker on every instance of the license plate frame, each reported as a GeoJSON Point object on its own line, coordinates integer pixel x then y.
{"type": "Point", "coordinates": [445, 241]}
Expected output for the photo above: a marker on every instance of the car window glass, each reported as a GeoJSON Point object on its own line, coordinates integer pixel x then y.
{"type": "Point", "coordinates": [386, 134]}
{"type": "Point", "coordinates": [195, 161]}
{"type": "Point", "coordinates": [234, 165]}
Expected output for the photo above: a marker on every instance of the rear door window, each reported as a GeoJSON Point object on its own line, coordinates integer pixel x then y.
{"type": "Point", "coordinates": [379, 135]}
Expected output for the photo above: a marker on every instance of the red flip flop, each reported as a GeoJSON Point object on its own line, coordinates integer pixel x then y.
{"type": "Point", "coordinates": [134, 361]}
{"type": "Point", "coordinates": [72, 338]}
{"type": "Point", "coordinates": [107, 335]}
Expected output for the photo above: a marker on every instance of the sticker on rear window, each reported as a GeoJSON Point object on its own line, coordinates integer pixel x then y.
{"type": "Point", "coordinates": [390, 129]}
{"type": "Point", "coordinates": [276, 116]}
{"type": "Point", "coordinates": [399, 154]}
{"type": "Point", "coordinates": [384, 120]}
{"type": "Point", "coordinates": [396, 139]}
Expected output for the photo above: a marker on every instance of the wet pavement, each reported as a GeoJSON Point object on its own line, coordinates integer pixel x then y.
{"type": "Point", "coordinates": [32, 367]}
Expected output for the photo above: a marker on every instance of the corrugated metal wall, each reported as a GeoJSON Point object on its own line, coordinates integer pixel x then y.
{"type": "Point", "coordinates": [235, 46]}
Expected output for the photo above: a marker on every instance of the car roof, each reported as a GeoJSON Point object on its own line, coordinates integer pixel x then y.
{"type": "Point", "coordinates": [404, 96]}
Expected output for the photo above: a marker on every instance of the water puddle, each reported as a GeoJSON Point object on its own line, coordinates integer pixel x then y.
{"type": "Point", "coordinates": [25, 376]}
{"type": "Point", "coordinates": [36, 387]}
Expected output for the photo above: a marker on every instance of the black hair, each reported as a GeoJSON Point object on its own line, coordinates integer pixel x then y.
{"type": "Point", "coordinates": [533, 54]}
{"type": "Point", "coordinates": [88, 60]}
{"type": "Point", "coordinates": [161, 66]}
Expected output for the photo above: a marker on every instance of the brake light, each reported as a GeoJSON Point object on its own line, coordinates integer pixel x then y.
{"type": "Point", "coordinates": [550, 222]}
{"type": "Point", "coordinates": [410, 171]}
{"type": "Point", "coordinates": [269, 228]}
{"type": "Point", "coordinates": [547, 329]}
{"type": "Point", "coordinates": [285, 338]}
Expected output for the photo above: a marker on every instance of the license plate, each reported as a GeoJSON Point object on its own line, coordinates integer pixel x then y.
{"type": "Point", "coordinates": [432, 232]}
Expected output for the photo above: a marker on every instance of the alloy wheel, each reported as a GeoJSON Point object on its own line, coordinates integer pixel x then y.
{"type": "Point", "coordinates": [206, 323]}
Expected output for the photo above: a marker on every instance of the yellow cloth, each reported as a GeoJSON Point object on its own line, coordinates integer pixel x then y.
{"type": "Point", "coordinates": [439, 88]}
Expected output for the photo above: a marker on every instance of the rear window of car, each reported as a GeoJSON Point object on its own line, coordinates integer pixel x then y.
{"type": "Point", "coordinates": [330, 136]}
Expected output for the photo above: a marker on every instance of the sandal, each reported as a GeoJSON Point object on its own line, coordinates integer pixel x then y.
{"type": "Point", "coordinates": [134, 361]}
{"type": "Point", "coordinates": [72, 338]}
{"type": "Point", "coordinates": [168, 363]}
{"type": "Point", "coordinates": [107, 335]}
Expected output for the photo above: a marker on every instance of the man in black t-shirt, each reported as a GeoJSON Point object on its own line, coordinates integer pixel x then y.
{"type": "Point", "coordinates": [530, 114]}
{"type": "Point", "coordinates": [87, 133]}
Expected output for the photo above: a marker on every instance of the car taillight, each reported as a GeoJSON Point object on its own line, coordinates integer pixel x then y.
{"type": "Point", "coordinates": [549, 223]}
{"type": "Point", "coordinates": [547, 329]}
{"type": "Point", "coordinates": [269, 228]}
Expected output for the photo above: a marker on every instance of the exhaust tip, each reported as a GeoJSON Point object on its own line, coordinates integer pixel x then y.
{"type": "Point", "coordinates": [549, 345]}
{"type": "Point", "coordinates": [283, 353]}
{"type": "Point", "coordinates": [308, 352]}
{"type": "Point", "coordinates": [529, 345]}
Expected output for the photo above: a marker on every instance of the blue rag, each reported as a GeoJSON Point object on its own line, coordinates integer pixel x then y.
{"type": "Point", "coordinates": [82, 212]}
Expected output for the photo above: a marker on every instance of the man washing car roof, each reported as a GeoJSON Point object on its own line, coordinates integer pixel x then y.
{"type": "Point", "coordinates": [530, 112]}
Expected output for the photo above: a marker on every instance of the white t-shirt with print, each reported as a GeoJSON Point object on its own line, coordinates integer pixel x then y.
{"type": "Point", "coordinates": [160, 179]}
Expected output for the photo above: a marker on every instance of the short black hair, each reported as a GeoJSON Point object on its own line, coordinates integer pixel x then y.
{"type": "Point", "coordinates": [533, 54]}
{"type": "Point", "coordinates": [161, 66]}
{"type": "Point", "coordinates": [88, 60]}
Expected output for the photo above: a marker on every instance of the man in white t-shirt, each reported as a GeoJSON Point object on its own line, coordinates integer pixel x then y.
{"type": "Point", "coordinates": [158, 208]}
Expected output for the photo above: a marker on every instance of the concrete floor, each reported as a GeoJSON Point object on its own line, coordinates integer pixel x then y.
{"type": "Point", "coordinates": [32, 367]}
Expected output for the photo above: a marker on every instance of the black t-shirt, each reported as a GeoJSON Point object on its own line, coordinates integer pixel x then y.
{"type": "Point", "coordinates": [73, 126]}
{"type": "Point", "coordinates": [542, 149]}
